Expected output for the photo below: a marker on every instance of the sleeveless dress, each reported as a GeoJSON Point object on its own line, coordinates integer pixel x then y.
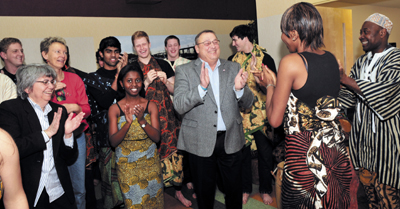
{"type": "Point", "coordinates": [317, 171]}
{"type": "Point", "coordinates": [139, 167]}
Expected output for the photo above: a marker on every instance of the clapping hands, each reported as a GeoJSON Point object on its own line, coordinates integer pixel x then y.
{"type": "Point", "coordinates": [241, 79]}
{"type": "Point", "coordinates": [264, 77]}
{"type": "Point", "coordinates": [204, 77]}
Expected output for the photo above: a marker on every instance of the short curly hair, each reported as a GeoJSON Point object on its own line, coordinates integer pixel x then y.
{"type": "Point", "coordinates": [27, 76]}
{"type": "Point", "coordinates": [45, 44]}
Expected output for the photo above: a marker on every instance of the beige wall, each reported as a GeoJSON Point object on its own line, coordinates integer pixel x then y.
{"type": "Point", "coordinates": [268, 8]}
{"type": "Point", "coordinates": [270, 34]}
{"type": "Point", "coordinates": [338, 34]}
{"type": "Point", "coordinates": [360, 13]}
{"type": "Point", "coordinates": [83, 34]}
{"type": "Point", "coordinates": [269, 13]}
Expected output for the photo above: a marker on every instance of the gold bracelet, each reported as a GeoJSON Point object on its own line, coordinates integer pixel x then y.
{"type": "Point", "coordinates": [269, 85]}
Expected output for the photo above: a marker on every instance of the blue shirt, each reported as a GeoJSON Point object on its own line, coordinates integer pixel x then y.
{"type": "Point", "coordinates": [214, 82]}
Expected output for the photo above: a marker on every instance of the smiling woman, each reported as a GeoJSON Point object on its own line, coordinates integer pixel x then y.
{"type": "Point", "coordinates": [158, 81]}
{"type": "Point", "coordinates": [71, 93]}
{"type": "Point", "coordinates": [134, 130]}
{"type": "Point", "coordinates": [43, 134]}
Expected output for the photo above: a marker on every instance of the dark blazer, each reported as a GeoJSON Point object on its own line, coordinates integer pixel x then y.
{"type": "Point", "coordinates": [19, 119]}
{"type": "Point", "coordinates": [199, 125]}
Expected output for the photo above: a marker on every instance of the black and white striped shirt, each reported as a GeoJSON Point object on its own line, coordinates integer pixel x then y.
{"type": "Point", "coordinates": [375, 134]}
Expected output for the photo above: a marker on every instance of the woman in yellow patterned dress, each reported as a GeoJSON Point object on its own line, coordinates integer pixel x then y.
{"type": "Point", "coordinates": [134, 129]}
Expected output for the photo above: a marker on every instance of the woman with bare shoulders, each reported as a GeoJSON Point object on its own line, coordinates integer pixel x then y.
{"type": "Point", "coordinates": [10, 174]}
{"type": "Point", "coordinates": [134, 129]}
{"type": "Point", "coordinates": [317, 171]}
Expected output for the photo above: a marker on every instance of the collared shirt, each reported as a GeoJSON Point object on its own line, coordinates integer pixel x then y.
{"type": "Point", "coordinates": [214, 82]}
{"type": "Point", "coordinates": [177, 62]}
{"type": "Point", "coordinates": [48, 179]}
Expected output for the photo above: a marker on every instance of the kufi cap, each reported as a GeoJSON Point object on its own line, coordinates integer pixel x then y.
{"type": "Point", "coordinates": [381, 20]}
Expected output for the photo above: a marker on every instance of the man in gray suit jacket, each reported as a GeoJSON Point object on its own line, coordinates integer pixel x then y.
{"type": "Point", "coordinates": [209, 93]}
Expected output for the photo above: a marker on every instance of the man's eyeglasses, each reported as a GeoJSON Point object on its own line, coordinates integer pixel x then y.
{"type": "Point", "coordinates": [208, 43]}
{"type": "Point", "coordinates": [47, 82]}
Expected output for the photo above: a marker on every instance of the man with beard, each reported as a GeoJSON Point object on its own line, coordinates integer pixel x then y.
{"type": "Point", "coordinates": [12, 54]}
{"type": "Point", "coordinates": [373, 88]}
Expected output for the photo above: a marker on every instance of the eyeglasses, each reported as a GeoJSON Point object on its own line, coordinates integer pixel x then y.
{"type": "Point", "coordinates": [47, 82]}
{"type": "Point", "coordinates": [208, 43]}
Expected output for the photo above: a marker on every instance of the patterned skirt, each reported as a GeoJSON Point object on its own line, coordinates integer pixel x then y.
{"type": "Point", "coordinates": [302, 188]}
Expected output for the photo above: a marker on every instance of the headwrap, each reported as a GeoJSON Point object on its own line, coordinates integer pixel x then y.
{"type": "Point", "coordinates": [381, 20]}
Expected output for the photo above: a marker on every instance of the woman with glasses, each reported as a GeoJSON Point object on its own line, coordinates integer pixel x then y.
{"type": "Point", "coordinates": [71, 93]}
{"type": "Point", "coordinates": [317, 171]}
{"type": "Point", "coordinates": [43, 132]}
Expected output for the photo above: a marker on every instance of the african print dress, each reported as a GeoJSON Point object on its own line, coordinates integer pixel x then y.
{"type": "Point", "coordinates": [171, 161]}
{"type": "Point", "coordinates": [317, 172]}
{"type": "Point", "coordinates": [139, 168]}
{"type": "Point", "coordinates": [254, 118]}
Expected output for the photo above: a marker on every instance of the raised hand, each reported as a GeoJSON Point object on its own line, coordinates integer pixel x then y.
{"type": "Point", "coordinates": [122, 61]}
{"type": "Point", "coordinates": [264, 77]}
{"type": "Point", "coordinates": [204, 77]}
{"type": "Point", "coordinates": [72, 123]}
{"type": "Point", "coordinates": [53, 128]}
{"type": "Point", "coordinates": [258, 76]}
{"type": "Point", "coordinates": [241, 79]}
{"type": "Point", "coordinates": [138, 111]}
{"type": "Point", "coordinates": [268, 76]}
{"type": "Point", "coordinates": [128, 113]}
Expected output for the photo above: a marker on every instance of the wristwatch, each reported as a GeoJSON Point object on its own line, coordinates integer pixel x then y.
{"type": "Point", "coordinates": [144, 125]}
